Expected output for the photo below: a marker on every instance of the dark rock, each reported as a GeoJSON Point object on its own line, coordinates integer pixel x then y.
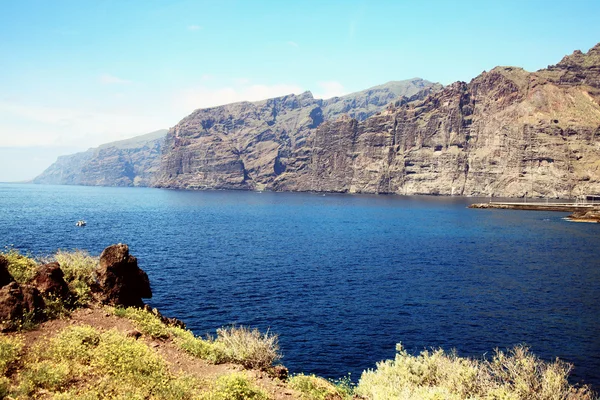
{"type": "Point", "coordinates": [18, 303]}
{"type": "Point", "coordinates": [279, 372]}
{"type": "Point", "coordinates": [165, 320]}
{"type": "Point", "coordinates": [120, 279]}
{"type": "Point", "coordinates": [5, 276]}
{"type": "Point", "coordinates": [11, 304]}
{"type": "Point", "coordinates": [50, 281]}
{"type": "Point", "coordinates": [33, 302]}
{"type": "Point", "coordinates": [134, 333]}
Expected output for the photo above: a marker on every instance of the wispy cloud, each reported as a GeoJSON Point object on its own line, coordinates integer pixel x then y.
{"type": "Point", "coordinates": [293, 44]}
{"type": "Point", "coordinates": [329, 89]}
{"type": "Point", "coordinates": [194, 27]}
{"type": "Point", "coordinates": [35, 125]}
{"type": "Point", "coordinates": [109, 79]}
{"type": "Point", "coordinates": [203, 97]}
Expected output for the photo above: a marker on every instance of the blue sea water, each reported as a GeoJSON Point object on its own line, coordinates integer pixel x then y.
{"type": "Point", "coordinates": [340, 278]}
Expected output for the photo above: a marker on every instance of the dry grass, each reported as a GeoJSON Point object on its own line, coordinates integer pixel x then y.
{"type": "Point", "coordinates": [249, 347]}
{"type": "Point", "coordinates": [516, 374]}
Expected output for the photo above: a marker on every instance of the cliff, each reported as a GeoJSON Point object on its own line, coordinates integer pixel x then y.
{"type": "Point", "coordinates": [249, 145]}
{"type": "Point", "coordinates": [508, 132]}
{"type": "Point", "coordinates": [131, 162]}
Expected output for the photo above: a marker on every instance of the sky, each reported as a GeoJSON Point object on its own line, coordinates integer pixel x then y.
{"type": "Point", "coordinates": [77, 74]}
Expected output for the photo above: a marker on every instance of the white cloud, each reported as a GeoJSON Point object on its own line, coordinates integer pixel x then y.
{"type": "Point", "coordinates": [31, 125]}
{"type": "Point", "coordinates": [194, 28]}
{"type": "Point", "coordinates": [293, 44]}
{"type": "Point", "coordinates": [109, 79]}
{"type": "Point", "coordinates": [329, 89]}
{"type": "Point", "coordinates": [204, 97]}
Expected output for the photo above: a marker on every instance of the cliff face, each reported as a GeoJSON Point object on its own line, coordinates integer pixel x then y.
{"type": "Point", "coordinates": [131, 162]}
{"type": "Point", "coordinates": [508, 132]}
{"type": "Point", "coordinates": [249, 145]}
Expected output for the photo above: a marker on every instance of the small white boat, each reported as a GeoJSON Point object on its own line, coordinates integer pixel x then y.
{"type": "Point", "coordinates": [81, 223]}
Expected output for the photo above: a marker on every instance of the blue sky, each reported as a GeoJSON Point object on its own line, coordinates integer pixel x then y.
{"type": "Point", "coordinates": [75, 74]}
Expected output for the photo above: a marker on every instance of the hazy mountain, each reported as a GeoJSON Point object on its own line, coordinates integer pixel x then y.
{"type": "Point", "coordinates": [130, 162]}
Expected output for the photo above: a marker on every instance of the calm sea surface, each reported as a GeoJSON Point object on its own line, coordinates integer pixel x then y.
{"type": "Point", "coordinates": [340, 278]}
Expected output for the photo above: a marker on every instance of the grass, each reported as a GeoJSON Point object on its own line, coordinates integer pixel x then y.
{"type": "Point", "coordinates": [313, 387]}
{"type": "Point", "coordinates": [10, 351]}
{"type": "Point", "coordinates": [241, 345]}
{"type": "Point", "coordinates": [78, 268]}
{"type": "Point", "coordinates": [249, 347]}
{"type": "Point", "coordinates": [515, 374]}
{"type": "Point", "coordinates": [234, 387]}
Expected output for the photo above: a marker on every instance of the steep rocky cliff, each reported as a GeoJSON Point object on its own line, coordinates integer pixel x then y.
{"type": "Point", "coordinates": [131, 162]}
{"type": "Point", "coordinates": [508, 132]}
{"type": "Point", "coordinates": [248, 145]}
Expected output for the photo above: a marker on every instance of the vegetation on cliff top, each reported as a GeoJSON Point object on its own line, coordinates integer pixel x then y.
{"type": "Point", "coordinates": [98, 358]}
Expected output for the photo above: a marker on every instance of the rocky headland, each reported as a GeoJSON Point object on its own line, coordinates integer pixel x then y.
{"type": "Point", "coordinates": [131, 162]}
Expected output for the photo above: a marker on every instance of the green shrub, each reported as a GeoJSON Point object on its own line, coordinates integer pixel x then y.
{"type": "Point", "coordinates": [56, 307]}
{"type": "Point", "coordinates": [10, 351]}
{"type": "Point", "coordinates": [47, 375]}
{"type": "Point", "coordinates": [315, 388]}
{"type": "Point", "coordinates": [248, 346]}
{"type": "Point", "coordinates": [4, 387]}
{"type": "Point", "coordinates": [21, 267]}
{"type": "Point", "coordinates": [78, 267]}
{"type": "Point", "coordinates": [234, 387]}
{"type": "Point", "coordinates": [516, 374]}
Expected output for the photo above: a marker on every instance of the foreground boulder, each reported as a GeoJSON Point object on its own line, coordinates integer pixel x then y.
{"type": "Point", "coordinates": [50, 281]}
{"type": "Point", "coordinates": [120, 280]}
{"type": "Point", "coordinates": [19, 303]}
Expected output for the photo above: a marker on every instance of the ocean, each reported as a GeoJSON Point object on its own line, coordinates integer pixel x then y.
{"type": "Point", "coordinates": [340, 278]}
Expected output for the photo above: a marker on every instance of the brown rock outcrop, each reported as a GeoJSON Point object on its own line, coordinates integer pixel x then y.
{"type": "Point", "coordinates": [5, 276]}
{"type": "Point", "coordinates": [50, 281]}
{"type": "Point", "coordinates": [16, 301]}
{"type": "Point", "coordinates": [120, 280]}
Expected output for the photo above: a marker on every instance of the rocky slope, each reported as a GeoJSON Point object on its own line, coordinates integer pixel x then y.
{"type": "Point", "coordinates": [508, 132]}
{"type": "Point", "coordinates": [131, 162]}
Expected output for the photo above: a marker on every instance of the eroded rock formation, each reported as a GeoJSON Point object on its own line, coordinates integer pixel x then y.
{"type": "Point", "coordinates": [120, 279]}
{"type": "Point", "coordinates": [508, 132]}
